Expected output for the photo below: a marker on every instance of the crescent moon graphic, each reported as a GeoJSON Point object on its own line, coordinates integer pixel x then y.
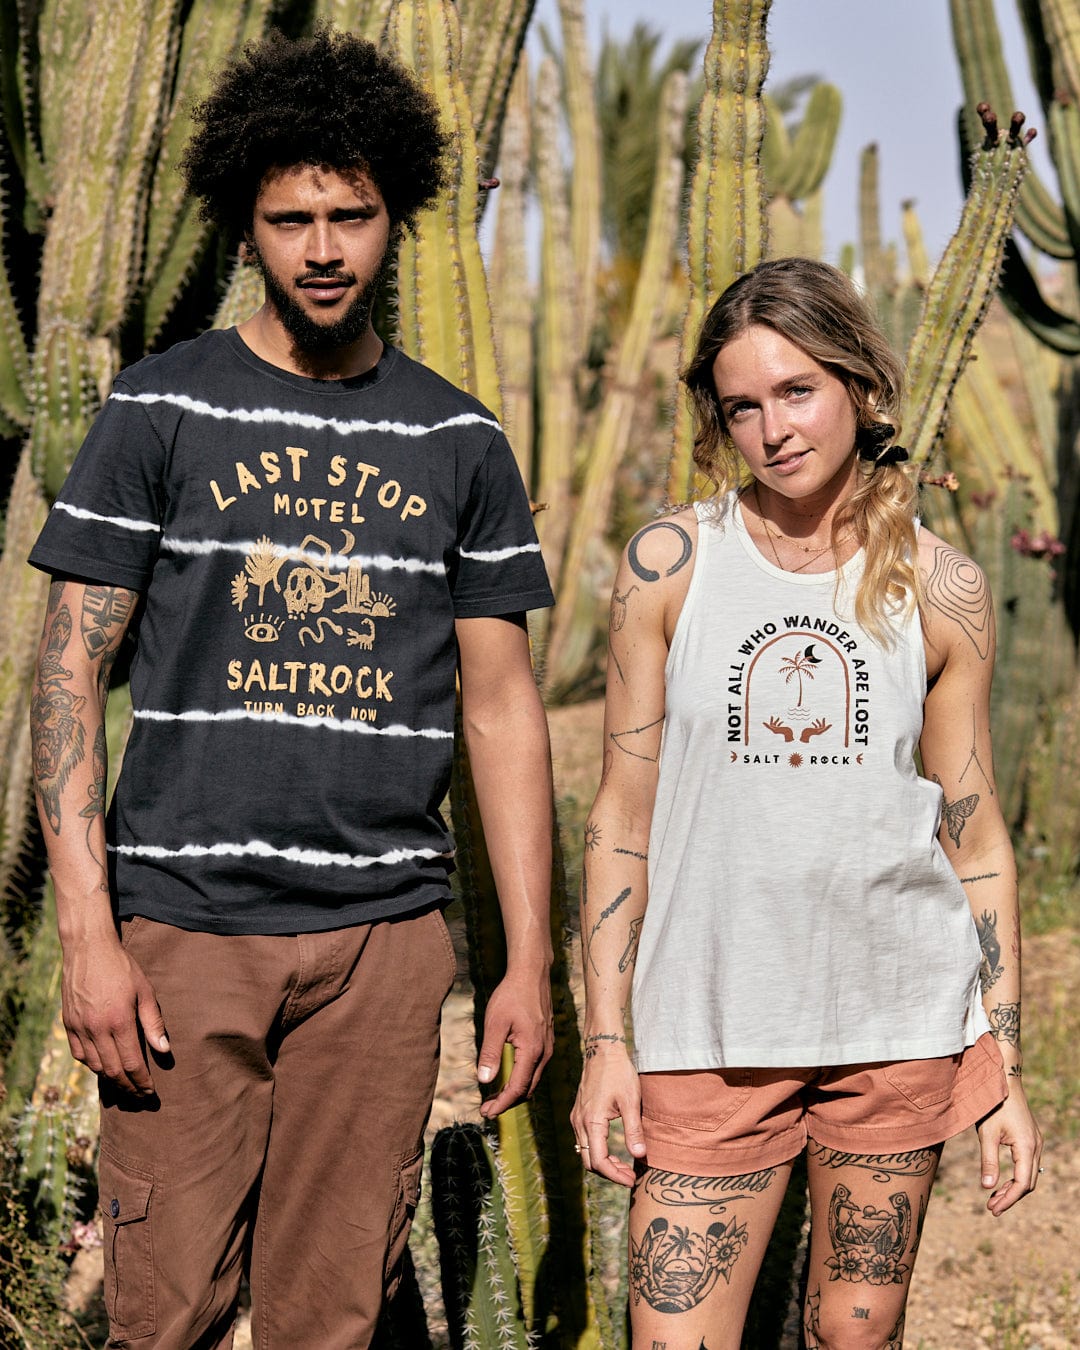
{"type": "Point", "coordinates": [809, 654]}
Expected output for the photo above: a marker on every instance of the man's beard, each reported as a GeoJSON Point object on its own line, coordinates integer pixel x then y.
{"type": "Point", "coordinates": [307, 333]}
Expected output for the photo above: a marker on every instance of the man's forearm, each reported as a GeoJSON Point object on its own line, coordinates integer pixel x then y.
{"type": "Point", "coordinates": [510, 758]}
{"type": "Point", "coordinates": [83, 629]}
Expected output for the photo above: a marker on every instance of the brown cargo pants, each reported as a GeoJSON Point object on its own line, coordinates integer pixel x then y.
{"type": "Point", "coordinates": [286, 1138]}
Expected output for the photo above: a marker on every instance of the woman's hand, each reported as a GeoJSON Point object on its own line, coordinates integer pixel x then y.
{"type": "Point", "coordinates": [609, 1091]}
{"type": "Point", "coordinates": [1010, 1125]}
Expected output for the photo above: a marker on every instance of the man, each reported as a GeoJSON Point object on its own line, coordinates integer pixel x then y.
{"type": "Point", "coordinates": [310, 535]}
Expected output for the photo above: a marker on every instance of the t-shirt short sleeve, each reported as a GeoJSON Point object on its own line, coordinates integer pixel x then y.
{"type": "Point", "coordinates": [106, 524]}
{"type": "Point", "coordinates": [498, 568]}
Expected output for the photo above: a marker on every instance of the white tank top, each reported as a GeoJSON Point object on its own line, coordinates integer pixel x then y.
{"type": "Point", "coordinates": [801, 911]}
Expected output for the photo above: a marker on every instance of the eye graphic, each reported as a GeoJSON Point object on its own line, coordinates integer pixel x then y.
{"type": "Point", "coordinates": [263, 629]}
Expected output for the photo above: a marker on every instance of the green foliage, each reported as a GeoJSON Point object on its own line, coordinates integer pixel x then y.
{"type": "Point", "coordinates": [630, 80]}
{"type": "Point", "coordinates": [31, 1270]}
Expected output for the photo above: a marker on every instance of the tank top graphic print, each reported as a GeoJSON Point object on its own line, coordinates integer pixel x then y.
{"type": "Point", "coordinates": [801, 909]}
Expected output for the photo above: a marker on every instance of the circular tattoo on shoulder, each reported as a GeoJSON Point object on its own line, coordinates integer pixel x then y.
{"type": "Point", "coordinates": [647, 573]}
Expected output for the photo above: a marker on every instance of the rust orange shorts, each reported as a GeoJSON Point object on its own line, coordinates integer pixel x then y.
{"type": "Point", "coordinates": [718, 1122]}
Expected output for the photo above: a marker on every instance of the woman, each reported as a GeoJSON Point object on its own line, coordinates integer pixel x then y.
{"type": "Point", "coordinates": [824, 945]}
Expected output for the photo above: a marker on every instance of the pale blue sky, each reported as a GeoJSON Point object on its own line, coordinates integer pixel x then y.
{"type": "Point", "coordinates": [894, 65]}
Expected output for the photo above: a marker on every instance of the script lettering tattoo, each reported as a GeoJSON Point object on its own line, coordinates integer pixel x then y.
{"type": "Point", "coordinates": [860, 1314]}
{"type": "Point", "coordinates": [983, 876]}
{"type": "Point", "coordinates": [956, 813]}
{"type": "Point", "coordinates": [675, 1266]}
{"type": "Point", "coordinates": [604, 914]}
{"type": "Point", "coordinates": [990, 967]}
{"type": "Point", "coordinates": [1005, 1022]}
{"type": "Point", "coordinates": [920, 1162]}
{"type": "Point", "coordinates": [641, 742]}
{"type": "Point", "coordinates": [868, 1242]}
{"type": "Point", "coordinates": [959, 590]}
{"type": "Point", "coordinates": [631, 853]}
{"type": "Point", "coordinates": [629, 956]}
{"type": "Point", "coordinates": [647, 573]}
{"type": "Point", "coordinates": [677, 1189]}
{"type": "Point", "coordinates": [58, 733]}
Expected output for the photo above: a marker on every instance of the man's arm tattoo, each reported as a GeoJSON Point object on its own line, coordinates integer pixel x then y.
{"type": "Point", "coordinates": [55, 719]}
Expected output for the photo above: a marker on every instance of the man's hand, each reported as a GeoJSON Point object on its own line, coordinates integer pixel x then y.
{"type": "Point", "coordinates": [109, 1009]}
{"type": "Point", "coordinates": [519, 1015]}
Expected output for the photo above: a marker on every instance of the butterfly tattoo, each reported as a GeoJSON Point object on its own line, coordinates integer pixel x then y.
{"type": "Point", "coordinates": [957, 812]}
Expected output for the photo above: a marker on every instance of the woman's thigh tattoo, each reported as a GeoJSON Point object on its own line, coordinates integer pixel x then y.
{"type": "Point", "coordinates": [680, 1258]}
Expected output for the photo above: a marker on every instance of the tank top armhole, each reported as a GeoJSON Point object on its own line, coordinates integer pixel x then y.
{"type": "Point", "coordinates": [690, 598]}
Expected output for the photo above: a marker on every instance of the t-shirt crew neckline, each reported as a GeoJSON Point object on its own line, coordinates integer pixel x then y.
{"type": "Point", "coordinates": [351, 384]}
{"type": "Point", "coordinates": [795, 578]}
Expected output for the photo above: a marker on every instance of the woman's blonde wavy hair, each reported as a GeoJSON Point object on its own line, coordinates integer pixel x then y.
{"type": "Point", "coordinates": [817, 307]}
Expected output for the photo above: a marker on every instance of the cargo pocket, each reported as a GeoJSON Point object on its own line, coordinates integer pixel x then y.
{"type": "Point", "coordinates": [924, 1082]}
{"type": "Point", "coordinates": [407, 1197]}
{"type": "Point", "coordinates": [126, 1191]}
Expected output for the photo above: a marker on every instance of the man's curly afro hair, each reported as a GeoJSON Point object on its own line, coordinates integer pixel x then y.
{"type": "Point", "coordinates": [330, 99]}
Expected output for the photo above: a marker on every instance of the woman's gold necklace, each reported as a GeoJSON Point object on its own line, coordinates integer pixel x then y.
{"type": "Point", "coordinates": [814, 555]}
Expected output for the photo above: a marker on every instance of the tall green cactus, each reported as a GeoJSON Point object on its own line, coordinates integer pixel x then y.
{"type": "Point", "coordinates": [1054, 46]}
{"type": "Point", "coordinates": [1054, 42]}
{"type": "Point", "coordinates": [585, 575]}
{"type": "Point", "coordinates": [479, 1276]}
{"type": "Point", "coordinates": [727, 227]}
{"type": "Point", "coordinates": [962, 284]}
{"type": "Point", "coordinates": [443, 309]}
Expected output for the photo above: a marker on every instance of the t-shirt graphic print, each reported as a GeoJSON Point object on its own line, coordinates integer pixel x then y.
{"type": "Point", "coordinates": [303, 548]}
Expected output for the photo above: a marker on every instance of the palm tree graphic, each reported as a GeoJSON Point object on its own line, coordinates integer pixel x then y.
{"type": "Point", "coordinates": [800, 667]}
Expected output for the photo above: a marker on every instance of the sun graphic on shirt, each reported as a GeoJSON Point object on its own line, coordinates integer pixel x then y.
{"type": "Point", "coordinates": [795, 759]}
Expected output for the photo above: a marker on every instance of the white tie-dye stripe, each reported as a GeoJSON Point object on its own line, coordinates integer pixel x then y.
{"type": "Point", "coordinates": [373, 562]}
{"type": "Point", "coordinates": [307, 421]}
{"type": "Point", "coordinates": [257, 848]}
{"type": "Point", "coordinates": [121, 522]}
{"type": "Point", "coordinates": [499, 554]}
{"type": "Point", "coordinates": [288, 719]}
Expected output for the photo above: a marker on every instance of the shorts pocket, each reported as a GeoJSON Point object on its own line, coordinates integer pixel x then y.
{"type": "Point", "coordinates": [126, 1192]}
{"type": "Point", "coordinates": [924, 1082]}
{"type": "Point", "coordinates": [406, 1200]}
{"type": "Point", "coordinates": [695, 1099]}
